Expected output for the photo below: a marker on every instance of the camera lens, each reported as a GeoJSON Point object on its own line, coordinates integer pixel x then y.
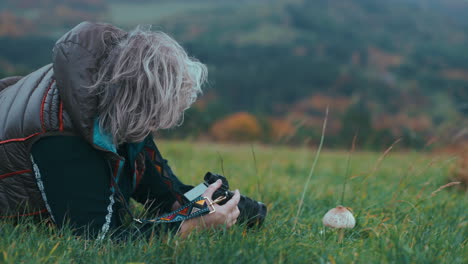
{"type": "Point", "coordinates": [252, 213]}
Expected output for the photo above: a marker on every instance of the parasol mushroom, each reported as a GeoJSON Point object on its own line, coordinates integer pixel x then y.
{"type": "Point", "coordinates": [340, 218]}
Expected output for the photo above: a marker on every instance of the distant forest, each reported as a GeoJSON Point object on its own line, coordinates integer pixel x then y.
{"type": "Point", "coordinates": [386, 69]}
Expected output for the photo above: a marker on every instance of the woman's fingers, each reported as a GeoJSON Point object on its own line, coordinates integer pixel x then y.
{"type": "Point", "coordinates": [226, 214]}
{"type": "Point", "coordinates": [232, 203]}
{"type": "Point", "coordinates": [232, 219]}
{"type": "Point", "coordinates": [236, 212]}
{"type": "Point", "coordinates": [231, 209]}
{"type": "Point", "coordinates": [212, 188]}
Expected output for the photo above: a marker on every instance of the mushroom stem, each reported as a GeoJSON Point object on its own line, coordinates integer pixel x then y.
{"type": "Point", "coordinates": [340, 235]}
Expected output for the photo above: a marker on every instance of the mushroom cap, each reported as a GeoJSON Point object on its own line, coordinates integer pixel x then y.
{"type": "Point", "coordinates": [339, 217]}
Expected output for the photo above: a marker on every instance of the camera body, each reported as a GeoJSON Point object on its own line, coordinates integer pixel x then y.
{"type": "Point", "coordinates": [252, 213]}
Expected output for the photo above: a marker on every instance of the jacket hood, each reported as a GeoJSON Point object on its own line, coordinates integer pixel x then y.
{"type": "Point", "coordinates": [76, 59]}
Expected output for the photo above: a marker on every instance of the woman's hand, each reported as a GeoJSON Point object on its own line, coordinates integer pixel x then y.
{"type": "Point", "coordinates": [225, 214]}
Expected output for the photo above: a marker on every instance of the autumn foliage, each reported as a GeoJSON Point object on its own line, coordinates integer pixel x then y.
{"type": "Point", "coordinates": [14, 26]}
{"type": "Point", "coordinates": [281, 129]}
{"type": "Point", "coordinates": [237, 127]}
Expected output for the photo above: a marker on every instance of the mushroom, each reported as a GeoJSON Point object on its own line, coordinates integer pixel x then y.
{"type": "Point", "coordinates": [340, 218]}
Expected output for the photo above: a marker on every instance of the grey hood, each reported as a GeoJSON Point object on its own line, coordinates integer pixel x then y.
{"type": "Point", "coordinates": [76, 59]}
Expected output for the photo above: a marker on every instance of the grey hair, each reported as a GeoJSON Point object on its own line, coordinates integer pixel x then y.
{"type": "Point", "coordinates": [145, 84]}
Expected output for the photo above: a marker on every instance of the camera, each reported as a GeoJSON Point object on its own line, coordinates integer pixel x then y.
{"type": "Point", "coordinates": [252, 213]}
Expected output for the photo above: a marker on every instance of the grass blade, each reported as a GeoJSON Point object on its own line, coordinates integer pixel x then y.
{"type": "Point", "coordinates": [301, 202]}
{"type": "Point", "coordinates": [353, 145]}
{"type": "Point", "coordinates": [257, 176]}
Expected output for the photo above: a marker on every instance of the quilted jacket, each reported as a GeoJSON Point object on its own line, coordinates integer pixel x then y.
{"type": "Point", "coordinates": [54, 100]}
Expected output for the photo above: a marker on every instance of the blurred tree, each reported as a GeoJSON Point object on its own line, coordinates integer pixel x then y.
{"type": "Point", "coordinates": [356, 121]}
{"type": "Point", "coordinates": [281, 129]}
{"type": "Point", "coordinates": [237, 127]}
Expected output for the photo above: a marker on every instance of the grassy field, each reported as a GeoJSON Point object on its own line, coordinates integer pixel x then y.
{"type": "Point", "coordinates": [401, 218]}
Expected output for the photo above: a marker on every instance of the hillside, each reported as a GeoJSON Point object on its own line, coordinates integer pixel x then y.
{"type": "Point", "coordinates": [387, 68]}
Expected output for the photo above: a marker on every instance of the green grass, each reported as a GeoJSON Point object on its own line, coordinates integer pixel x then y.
{"type": "Point", "coordinates": [398, 220]}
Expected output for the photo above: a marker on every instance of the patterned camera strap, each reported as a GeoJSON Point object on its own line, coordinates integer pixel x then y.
{"type": "Point", "coordinates": [197, 207]}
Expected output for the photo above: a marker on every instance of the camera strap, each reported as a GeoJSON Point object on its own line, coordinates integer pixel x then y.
{"type": "Point", "coordinates": [197, 207]}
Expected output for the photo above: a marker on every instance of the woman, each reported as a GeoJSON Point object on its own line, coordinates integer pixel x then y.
{"type": "Point", "coordinates": [76, 135]}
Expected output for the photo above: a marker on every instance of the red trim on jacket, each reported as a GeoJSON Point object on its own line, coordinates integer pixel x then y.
{"type": "Point", "coordinates": [28, 214]}
{"type": "Point", "coordinates": [13, 173]}
{"type": "Point", "coordinates": [61, 116]}
{"type": "Point", "coordinates": [20, 139]}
